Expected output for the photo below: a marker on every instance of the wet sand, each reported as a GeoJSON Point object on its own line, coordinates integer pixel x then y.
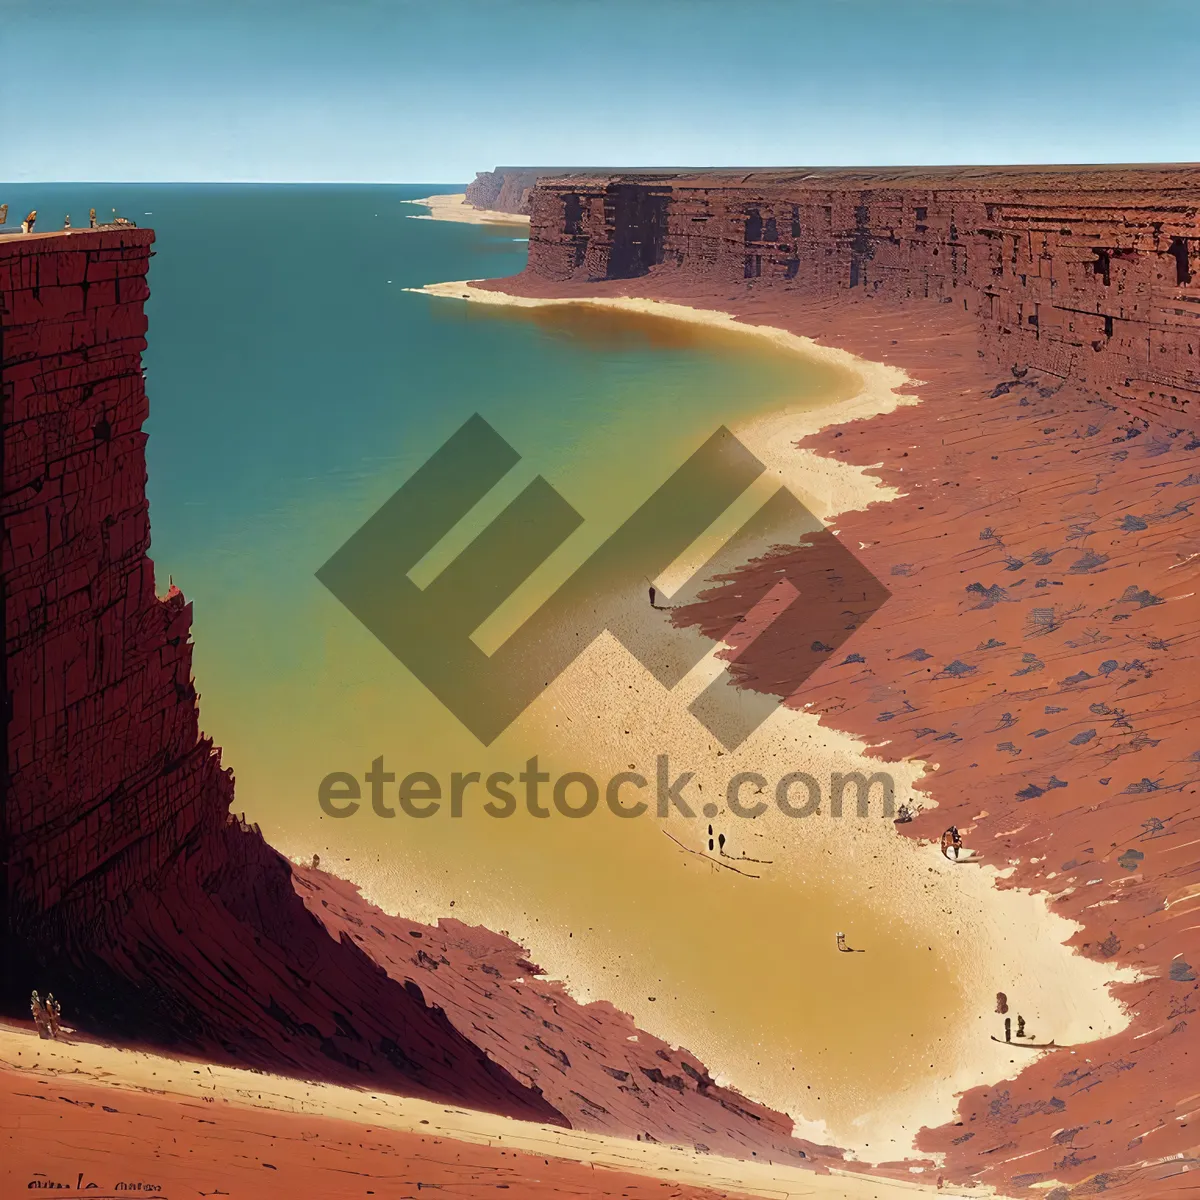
{"type": "Point", "coordinates": [455, 208]}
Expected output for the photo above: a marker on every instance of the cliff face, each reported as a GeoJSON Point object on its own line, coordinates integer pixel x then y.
{"type": "Point", "coordinates": [502, 190]}
{"type": "Point", "coordinates": [1084, 273]}
{"type": "Point", "coordinates": [107, 774]}
{"type": "Point", "coordinates": [129, 889]}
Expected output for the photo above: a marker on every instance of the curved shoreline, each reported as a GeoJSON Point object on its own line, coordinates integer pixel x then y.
{"type": "Point", "coordinates": [1019, 943]}
{"type": "Point", "coordinates": [843, 487]}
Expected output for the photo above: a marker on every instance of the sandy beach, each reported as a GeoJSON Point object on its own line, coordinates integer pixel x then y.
{"type": "Point", "coordinates": [1036, 692]}
{"type": "Point", "coordinates": [455, 208]}
{"type": "Point", "coordinates": [1016, 943]}
{"type": "Point", "coordinates": [828, 486]}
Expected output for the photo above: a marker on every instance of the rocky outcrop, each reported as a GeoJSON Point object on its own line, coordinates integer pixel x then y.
{"type": "Point", "coordinates": [589, 1060]}
{"type": "Point", "coordinates": [1091, 274]}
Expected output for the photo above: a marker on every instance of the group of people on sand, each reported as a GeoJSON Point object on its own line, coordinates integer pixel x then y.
{"type": "Point", "coordinates": [47, 1016]}
{"type": "Point", "coordinates": [952, 842]}
{"type": "Point", "coordinates": [1002, 1009]}
{"type": "Point", "coordinates": [29, 222]}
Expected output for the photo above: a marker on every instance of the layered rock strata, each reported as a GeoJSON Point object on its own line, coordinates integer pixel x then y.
{"type": "Point", "coordinates": [1087, 274]}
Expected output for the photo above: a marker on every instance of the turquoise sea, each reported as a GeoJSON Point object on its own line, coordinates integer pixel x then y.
{"type": "Point", "coordinates": [294, 384]}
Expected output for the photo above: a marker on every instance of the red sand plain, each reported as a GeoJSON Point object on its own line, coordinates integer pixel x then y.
{"type": "Point", "coordinates": [80, 1140]}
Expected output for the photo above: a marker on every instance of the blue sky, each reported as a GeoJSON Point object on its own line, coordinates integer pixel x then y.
{"type": "Point", "coordinates": [430, 92]}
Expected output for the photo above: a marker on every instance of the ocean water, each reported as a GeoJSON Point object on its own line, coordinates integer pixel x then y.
{"type": "Point", "coordinates": [294, 385]}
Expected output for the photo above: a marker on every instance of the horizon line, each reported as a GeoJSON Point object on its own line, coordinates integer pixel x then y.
{"type": "Point", "coordinates": [568, 168]}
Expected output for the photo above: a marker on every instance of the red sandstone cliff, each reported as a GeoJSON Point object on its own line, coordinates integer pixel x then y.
{"type": "Point", "coordinates": [1042, 641]}
{"type": "Point", "coordinates": [1091, 274]}
{"type": "Point", "coordinates": [129, 889]}
{"type": "Point", "coordinates": [1050, 532]}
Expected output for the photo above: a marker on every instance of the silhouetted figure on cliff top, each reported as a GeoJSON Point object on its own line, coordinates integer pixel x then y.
{"type": "Point", "coordinates": [91, 218]}
{"type": "Point", "coordinates": [27, 224]}
{"type": "Point", "coordinates": [67, 221]}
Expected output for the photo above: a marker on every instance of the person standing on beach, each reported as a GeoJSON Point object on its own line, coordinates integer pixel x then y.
{"type": "Point", "coordinates": [952, 840]}
{"type": "Point", "coordinates": [53, 1013]}
{"type": "Point", "coordinates": [39, 1016]}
